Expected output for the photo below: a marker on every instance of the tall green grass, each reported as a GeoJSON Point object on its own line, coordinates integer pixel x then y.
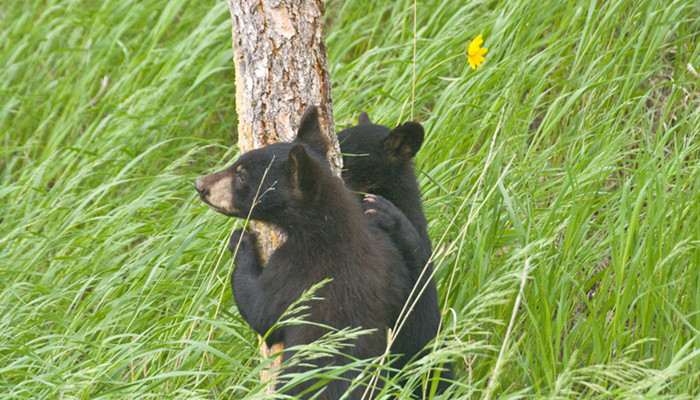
{"type": "Point", "coordinates": [574, 151]}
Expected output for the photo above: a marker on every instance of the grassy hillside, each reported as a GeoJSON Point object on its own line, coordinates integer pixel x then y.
{"type": "Point", "coordinates": [561, 182]}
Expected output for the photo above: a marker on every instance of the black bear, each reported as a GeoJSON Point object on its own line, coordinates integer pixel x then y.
{"type": "Point", "coordinates": [379, 160]}
{"type": "Point", "coordinates": [328, 235]}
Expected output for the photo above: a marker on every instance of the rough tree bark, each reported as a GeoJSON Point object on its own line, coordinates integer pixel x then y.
{"type": "Point", "coordinates": [281, 68]}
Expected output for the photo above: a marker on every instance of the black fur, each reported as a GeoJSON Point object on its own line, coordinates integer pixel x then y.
{"type": "Point", "coordinates": [327, 237]}
{"type": "Point", "coordinates": [379, 160]}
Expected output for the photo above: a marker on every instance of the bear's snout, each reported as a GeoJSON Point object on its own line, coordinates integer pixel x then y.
{"type": "Point", "coordinates": [201, 187]}
{"type": "Point", "coordinates": [215, 191]}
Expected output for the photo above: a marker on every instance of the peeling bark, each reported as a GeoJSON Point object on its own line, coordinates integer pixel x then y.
{"type": "Point", "coordinates": [281, 68]}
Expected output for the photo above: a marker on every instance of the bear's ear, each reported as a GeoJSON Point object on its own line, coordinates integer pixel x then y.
{"type": "Point", "coordinates": [403, 142]}
{"type": "Point", "coordinates": [303, 173]}
{"type": "Point", "coordinates": [363, 119]}
{"type": "Point", "coordinates": [309, 131]}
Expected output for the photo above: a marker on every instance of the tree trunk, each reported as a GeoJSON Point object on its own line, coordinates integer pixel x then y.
{"type": "Point", "coordinates": [281, 68]}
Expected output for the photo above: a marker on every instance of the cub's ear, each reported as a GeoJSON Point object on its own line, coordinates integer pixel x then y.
{"type": "Point", "coordinates": [309, 131]}
{"type": "Point", "coordinates": [304, 173]}
{"type": "Point", "coordinates": [363, 119]}
{"type": "Point", "coordinates": [403, 142]}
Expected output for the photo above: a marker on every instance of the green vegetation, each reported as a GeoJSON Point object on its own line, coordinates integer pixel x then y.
{"type": "Point", "coordinates": [575, 151]}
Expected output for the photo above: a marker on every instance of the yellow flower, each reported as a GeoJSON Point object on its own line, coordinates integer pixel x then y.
{"type": "Point", "coordinates": [475, 53]}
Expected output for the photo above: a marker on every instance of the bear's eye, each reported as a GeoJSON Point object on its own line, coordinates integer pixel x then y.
{"type": "Point", "coordinates": [241, 176]}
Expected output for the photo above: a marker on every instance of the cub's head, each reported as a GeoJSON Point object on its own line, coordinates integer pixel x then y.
{"type": "Point", "coordinates": [266, 183]}
{"type": "Point", "coordinates": [375, 155]}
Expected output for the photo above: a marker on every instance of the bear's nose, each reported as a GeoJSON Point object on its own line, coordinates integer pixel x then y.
{"type": "Point", "coordinates": [201, 187]}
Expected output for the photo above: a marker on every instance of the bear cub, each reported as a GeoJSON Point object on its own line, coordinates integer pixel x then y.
{"type": "Point", "coordinates": [379, 160]}
{"type": "Point", "coordinates": [328, 235]}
